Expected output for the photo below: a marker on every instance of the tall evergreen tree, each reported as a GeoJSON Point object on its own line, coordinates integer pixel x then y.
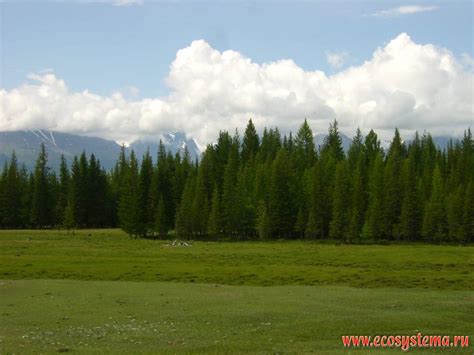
{"type": "Point", "coordinates": [68, 216]}
{"type": "Point", "coordinates": [393, 196]}
{"type": "Point", "coordinates": [166, 187]}
{"type": "Point", "coordinates": [318, 216]}
{"type": "Point", "coordinates": [373, 225]}
{"type": "Point", "coordinates": [160, 221]}
{"type": "Point", "coordinates": [184, 222]}
{"type": "Point", "coordinates": [214, 224]}
{"type": "Point", "coordinates": [263, 222]}
{"type": "Point", "coordinates": [304, 146]}
{"type": "Point", "coordinates": [410, 216]}
{"type": "Point", "coordinates": [41, 207]}
{"type": "Point", "coordinates": [129, 204]}
{"type": "Point", "coordinates": [454, 215]}
{"type": "Point", "coordinates": [280, 205]}
{"type": "Point", "coordinates": [250, 143]}
{"type": "Point", "coordinates": [230, 203]}
{"type": "Point", "coordinates": [357, 202]}
{"type": "Point", "coordinates": [341, 201]}
{"type": "Point", "coordinates": [12, 190]}
{"type": "Point", "coordinates": [147, 218]}
{"type": "Point", "coordinates": [372, 148]}
{"type": "Point", "coordinates": [434, 222]}
{"type": "Point", "coordinates": [64, 181]}
{"type": "Point", "coordinates": [333, 143]}
{"type": "Point", "coordinates": [468, 212]}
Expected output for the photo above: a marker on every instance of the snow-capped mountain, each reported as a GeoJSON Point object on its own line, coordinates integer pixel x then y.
{"type": "Point", "coordinates": [319, 141]}
{"type": "Point", "coordinates": [174, 142]}
{"type": "Point", "coordinates": [27, 143]}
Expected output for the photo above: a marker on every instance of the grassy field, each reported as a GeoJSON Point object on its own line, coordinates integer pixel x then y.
{"type": "Point", "coordinates": [80, 293]}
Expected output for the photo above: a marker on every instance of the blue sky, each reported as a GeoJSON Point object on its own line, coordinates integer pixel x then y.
{"type": "Point", "coordinates": [104, 48]}
{"type": "Point", "coordinates": [135, 69]}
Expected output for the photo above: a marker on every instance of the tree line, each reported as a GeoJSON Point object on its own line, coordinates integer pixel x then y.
{"type": "Point", "coordinates": [253, 187]}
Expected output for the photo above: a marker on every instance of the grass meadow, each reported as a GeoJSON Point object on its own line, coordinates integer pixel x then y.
{"type": "Point", "coordinates": [100, 291]}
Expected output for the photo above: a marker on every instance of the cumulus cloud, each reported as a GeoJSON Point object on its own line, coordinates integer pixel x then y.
{"type": "Point", "coordinates": [126, 2]}
{"type": "Point", "coordinates": [404, 84]}
{"type": "Point", "coordinates": [404, 10]}
{"type": "Point", "coordinates": [467, 60]}
{"type": "Point", "coordinates": [337, 60]}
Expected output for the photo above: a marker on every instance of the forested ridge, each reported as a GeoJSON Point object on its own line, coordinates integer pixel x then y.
{"type": "Point", "coordinates": [258, 187]}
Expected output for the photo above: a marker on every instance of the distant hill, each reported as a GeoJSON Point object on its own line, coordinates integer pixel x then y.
{"type": "Point", "coordinates": [26, 145]}
{"type": "Point", "coordinates": [174, 142]}
{"type": "Point", "coordinates": [3, 160]}
{"type": "Point", "coordinates": [319, 141]}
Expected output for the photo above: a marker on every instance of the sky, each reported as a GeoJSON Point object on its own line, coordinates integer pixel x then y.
{"type": "Point", "coordinates": [130, 69]}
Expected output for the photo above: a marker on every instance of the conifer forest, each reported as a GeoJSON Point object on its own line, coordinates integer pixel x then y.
{"type": "Point", "coordinates": [258, 187]}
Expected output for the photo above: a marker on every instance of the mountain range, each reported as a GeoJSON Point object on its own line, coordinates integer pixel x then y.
{"type": "Point", "coordinates": [27, 143]}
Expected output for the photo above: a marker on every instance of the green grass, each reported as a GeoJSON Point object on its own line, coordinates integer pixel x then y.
{"type": "Point", "coordinates": [129, 317]}
{"type": "Point", "coordinates": [81, 293]}
{"type": "Point", "coordinates": [111, 255]}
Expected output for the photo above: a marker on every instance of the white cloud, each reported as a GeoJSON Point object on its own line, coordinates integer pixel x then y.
{"type": "Point", "coordinates": [116, 2]}
{"type": "Point", "coordinates": [337, 60]}
{"type": "Point", "coordinates": [121, 3]}
{"type": "Point", "coordinates": [404, 85]}
{"type": "Point", "coordinates": [467, 60]}
{"type": "Point", "coordinates": [126, 2]}
{"type": "Point", "coordinates": [405, 10]}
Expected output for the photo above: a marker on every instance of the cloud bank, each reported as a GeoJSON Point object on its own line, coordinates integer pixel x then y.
{"type": "Point", "coordinates": [126, 2]}
{"type": "Point", "coordinates": [405, 10]}
{"type": "Point", "coordinates": [404, 85]}
{"type": "Point", "coordinates": [337, 60]}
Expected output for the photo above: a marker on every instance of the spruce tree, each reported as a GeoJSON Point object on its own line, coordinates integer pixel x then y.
{"type": "Point", "coordinates": [300, 224]}
{"type": "Point", "coordinates": [250, 143]}
{"type": "Point", "coordinates": [356, 151]}
{"type": "Point", "coordinates": [200, 207]}
{"type": "Point", "coordinates": [281, 212]}
{"type": "Point", "coordinates": [129, 204]}
{"type": "Point", "coordinates": [434, 222]}
{"type": "Point", "coordinates": [184, 221]}
{"type": "Point", "coordinates": [318, 211]}
{"type": "Point", "coordinates": [166, 185]}
{"type": "Point", "coordinates": [333, 143]}
{"type": "Point", "coordinates": [372, 148]}
{"type": "Point", "coordinates": [12, 194]}
{"type": "Point", "coordinates": [263, 222]}
{"type": "Point", "coordinates": [68, 216]}
{"type": "Point", "coordinates": [393, 196]}
{"type": "Point", "coordinates": [373, 224]}
{"type": "Point", "coordinates": [304, 146]}
{"type": "Point", "coordinates": [468, 212]}
{"type": "Point", "coordinates": [96, 190]}
{"type": "Point", "coordinates": [454, 214]}
{"type": "Point", "coordinates": [230, 203]}
{"type": "Point", "coordinates": [338, 225]}
{"type": "Point", "coordinates": [214, 224]}
{"type": "Point", "coordinates": [41, 207]}
{"type": "Point", "coordinates": [147, 218]}
{"type": "Point", "coordinates": [410, 217]}
{"type": "Point", "coordinates": [357, 202]}
{"type": "Point", "coordinates": [160, 221]}
{"type": "Point", "coordinates": [64, 181]}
